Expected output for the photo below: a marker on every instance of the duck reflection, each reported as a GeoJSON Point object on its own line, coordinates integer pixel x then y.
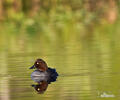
{"type": "Point", "coordinates": [42, 76]}
{"type": "Point", "coordinates": [41, 87]}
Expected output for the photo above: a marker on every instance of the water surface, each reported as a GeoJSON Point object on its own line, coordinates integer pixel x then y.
{"type": "Point", "coordinates": [88, 68]}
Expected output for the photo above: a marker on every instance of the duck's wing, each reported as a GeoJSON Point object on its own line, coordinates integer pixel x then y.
{"type": "Point", "coordinates": [52, 71]}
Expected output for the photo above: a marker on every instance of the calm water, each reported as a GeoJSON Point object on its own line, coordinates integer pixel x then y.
{"type": "Point", "coordinates": [79, 38]}
{"type": "Point", "coordinates": [88, 68]}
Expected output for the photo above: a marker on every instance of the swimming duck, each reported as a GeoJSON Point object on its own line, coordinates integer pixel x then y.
{"type": "Point", "coordinates": [43, 75]}
{"type": "Point", "coordinates": [43, 72]}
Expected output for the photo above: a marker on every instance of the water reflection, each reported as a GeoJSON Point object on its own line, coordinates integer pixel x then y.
{"type": "Point", "coordinates": [41, 87]}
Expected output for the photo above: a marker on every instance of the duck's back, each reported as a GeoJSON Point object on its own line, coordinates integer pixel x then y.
{"type": "Point", "coordinates": [52, 75]}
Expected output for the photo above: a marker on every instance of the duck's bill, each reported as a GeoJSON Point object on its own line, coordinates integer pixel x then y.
{"type": "Point", "coordinates": [32, 67]}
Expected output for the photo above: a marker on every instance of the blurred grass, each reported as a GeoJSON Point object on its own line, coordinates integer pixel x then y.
{"type": "Point", "coordinates": [57, 20]}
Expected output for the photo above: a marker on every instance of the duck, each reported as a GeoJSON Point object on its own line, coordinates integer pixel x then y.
{"type": "Point", "coordinates": [42, 72]}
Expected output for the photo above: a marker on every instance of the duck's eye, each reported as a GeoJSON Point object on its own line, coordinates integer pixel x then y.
{"type": "Point", "coordinates": [38, 89]}
{"type": "Point", "coordinates": [37, 63]}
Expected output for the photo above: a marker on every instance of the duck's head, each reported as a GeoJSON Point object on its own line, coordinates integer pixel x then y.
{"type": "Point", "coordinates": [40, 64]}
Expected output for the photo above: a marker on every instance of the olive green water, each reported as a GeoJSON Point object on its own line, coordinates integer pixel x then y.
{"type": "Point", "coordinates": [87, 68]}
{"type": "Point", "coordinates": [83, 47]}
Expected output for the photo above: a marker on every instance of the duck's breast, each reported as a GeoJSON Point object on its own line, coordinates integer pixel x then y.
{"type": "Point", "coordinates": [39, 76]}
{"type": "Point", "coordinates": [39, 73]}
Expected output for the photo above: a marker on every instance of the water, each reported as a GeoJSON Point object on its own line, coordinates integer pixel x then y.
{"type": "Point", "coordinates": [88, 68]}
{"type": "Point", "coordinates": [80, 39]}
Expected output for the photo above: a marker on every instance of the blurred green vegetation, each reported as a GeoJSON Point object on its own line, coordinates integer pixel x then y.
{"type": "Point", "coordinates": [53, 20]}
